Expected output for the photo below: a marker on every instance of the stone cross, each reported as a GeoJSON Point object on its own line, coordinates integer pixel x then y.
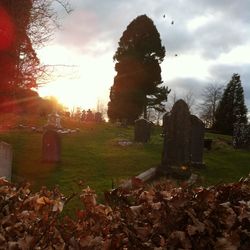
{"type": "Point", "coordinates": [142, 130]}
{"type": "Point", "coordinates": [51, 146]}
{"type": "Point", "coordinates": [5, 160]}
{"type": "Point", "coordinates": [54, 120]}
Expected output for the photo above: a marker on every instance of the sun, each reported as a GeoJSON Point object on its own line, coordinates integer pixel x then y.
{"type": "Point", "coordinates": [84, 79]}
{"type": "Point", "coordinates": [71, 93]}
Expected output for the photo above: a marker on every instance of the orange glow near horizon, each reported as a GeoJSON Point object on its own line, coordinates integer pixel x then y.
{"type": "Point", "coordinates": [83, 82]}
{"type": "Point", "coordinates": [70, 94]}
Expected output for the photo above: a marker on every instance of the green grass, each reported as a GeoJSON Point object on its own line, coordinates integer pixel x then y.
{"type": "Point", "coordinates": [224, 164]}
{"type": "Point", "coordinates": [94, 156]}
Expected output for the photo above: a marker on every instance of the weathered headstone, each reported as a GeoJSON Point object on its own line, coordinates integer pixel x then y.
{"type": "Point", "coordinates": [5, 160]}
{"type": "Point", "coordinates": [176, 150]}
{"type": "Point", "coordinates": [197, 141]}
{"type": "Point", "coordinates": [51, 146]}
{"type": "Point", "coordinates": [183, 138]}
{"type": "Point", "coordinates": [142, 130]}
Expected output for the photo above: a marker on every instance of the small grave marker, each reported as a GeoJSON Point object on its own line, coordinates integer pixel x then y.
{"type": "Point", "coordinates": [51, 146]}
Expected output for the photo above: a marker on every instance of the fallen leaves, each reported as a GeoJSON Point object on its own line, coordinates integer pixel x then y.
{"type": "Point", "coordinates": [157, 217]}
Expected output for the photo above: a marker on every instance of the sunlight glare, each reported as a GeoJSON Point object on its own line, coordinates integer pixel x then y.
{"type": "Point", "coordinates": [89, 81]}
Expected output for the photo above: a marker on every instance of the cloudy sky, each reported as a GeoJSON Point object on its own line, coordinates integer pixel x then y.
{"type": "Point", "coordinates": [210, 37]}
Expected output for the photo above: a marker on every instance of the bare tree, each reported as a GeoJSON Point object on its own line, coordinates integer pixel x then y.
{"type": "Point", "coordinates": [171, 100]}
{"type": "Point", "coordinates": [44, 20]}
{"type": "Point", "coordinates": [101, 107]}
{"type": "Point", "coordinates": [189, 98]}
{"type": "Point", "coordinates": [211, 95]}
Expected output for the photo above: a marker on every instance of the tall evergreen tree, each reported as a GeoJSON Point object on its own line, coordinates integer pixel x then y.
{"type": "Point", "coordinates": [231, 109]}
{"type": "Point", "coordinates": [138, 58]}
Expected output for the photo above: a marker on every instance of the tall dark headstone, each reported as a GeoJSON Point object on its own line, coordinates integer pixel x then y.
{"type": "Point", "coordinates": [142, 130]}
{"type": "Point", "coordinates": [197, 141]}
{"type": "Point", "coordinates": [51, 146]}
{"type": "Point", "coordinates": [183, 138]}
{"type": "Point", "coordinates": [176, 149]}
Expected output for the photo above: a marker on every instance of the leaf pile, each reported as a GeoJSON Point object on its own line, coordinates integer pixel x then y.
{"type": "Point", "coordinates": [162, 216]}
{"type": "Point", "coordinates": [29, 221]}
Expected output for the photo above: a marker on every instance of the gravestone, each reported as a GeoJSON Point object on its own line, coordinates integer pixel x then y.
{"type": "Point", "coordinates": [183, 138]}
{"type": "Point", "coordinates": [142, 130]}
{"type": "Point", "coordinates": [51, 146]}
{"type": "Point", "coordinates": [176, 149]}
{"type": "Point", "coordinates": [197, 141]}
{"type": "Point", "coordinates": [5, 160]}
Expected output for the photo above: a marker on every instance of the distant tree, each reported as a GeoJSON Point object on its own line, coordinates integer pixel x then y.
{"type": "Point", "coordinates": [211, 96]}
{"type": "Point", "coordinates": [138, 58]}
{"type": "Point", "coordinates": [189, 98]}
{"type": "Point", "coordinates": [231, 109]}
{"type": "Point", "coordinates": [101, 107]}
{"type": "Point", "coordinates": [90, 116]}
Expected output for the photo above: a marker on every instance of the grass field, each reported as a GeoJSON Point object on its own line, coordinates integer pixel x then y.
{"type": "Point", "coordinates": [94, 156]}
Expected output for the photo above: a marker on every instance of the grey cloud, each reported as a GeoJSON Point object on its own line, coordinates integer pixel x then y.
{"type": "Point", "coordinates": [228, 28]}
{"type": "Point", "coordinates": [176, 40]}
{"type": "Point", "coordinates": [218, 37]}
{"type": "Point", "coordinates": [94, 21]}
{"type": "Point", "coordinates": [235, 9]}
{"type": "Point", "coordinates": [184, 85]}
